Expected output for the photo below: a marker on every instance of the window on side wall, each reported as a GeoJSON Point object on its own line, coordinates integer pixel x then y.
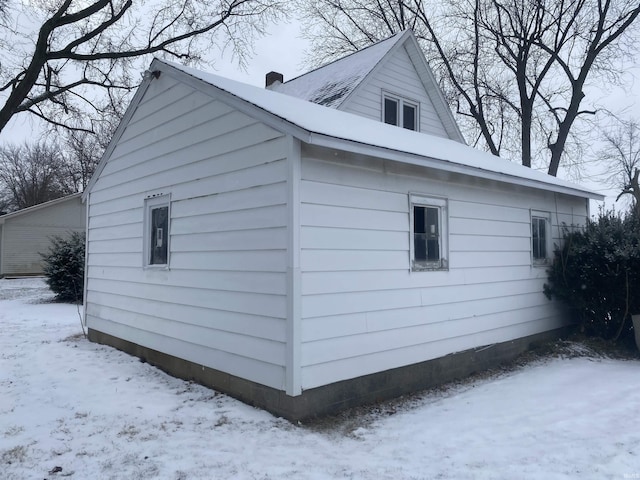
{"type": "Point", "coordinates": [156, 231]}
{"type": "Point", "coordinates": [400, 112]}
{"type": "Point", "coordinates": [540, 237]}
{"type": "Point", "coordinates": [429, 233]}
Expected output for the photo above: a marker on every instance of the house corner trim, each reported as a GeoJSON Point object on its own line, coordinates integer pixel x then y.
{"type": "Point", "coordinates": [293, 373]}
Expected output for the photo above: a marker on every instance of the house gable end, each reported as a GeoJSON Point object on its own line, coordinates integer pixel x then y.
{"type": "Point", "coordinates": [187, 231]}
{"type": "Point", "coordinates": [332, 84]}
{"type": "Point", "coordinates": [404, 73]}
{"type": "Point", "coordinates": [182, 76]}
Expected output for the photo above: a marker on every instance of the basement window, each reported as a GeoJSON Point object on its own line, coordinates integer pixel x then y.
{"type": "Point", "coordinates": [400, 112]}
{"type": "Point", "coordinates": [428, 233]}
{"type": "Point", "coordinates": [540, 237]}
{"type": "Point", "coordinates": [156, 231]}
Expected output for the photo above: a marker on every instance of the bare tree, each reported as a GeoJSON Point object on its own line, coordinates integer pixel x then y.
{"type": "Point", "coordinates": [517, 69]}
{"type": "Point", "coordinates": [82, 152]}
{"type": "Point", "coordinates": [38, 172]}
{"type": "Point", "coordinates": [621, 154]}
{"type": "Point", "coordinates": [68, 62]}
{"type": "Point", "coordinates": [32, 174]}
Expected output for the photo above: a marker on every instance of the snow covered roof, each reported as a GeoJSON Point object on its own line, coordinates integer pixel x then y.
{"type": "Point", "coordinates": [334, 84]}
{"type": "Point", "coordinates": [318, 125]}
{"type": "Point", "coordinates": [327, 127]}
{"type": "Point", "coordinates": [331, 84]}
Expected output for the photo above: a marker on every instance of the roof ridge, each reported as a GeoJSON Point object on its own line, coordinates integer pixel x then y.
{"type": "Point", "coordinates": [397, 34]}
{"type": "Point", "coordinates": [332, 83]}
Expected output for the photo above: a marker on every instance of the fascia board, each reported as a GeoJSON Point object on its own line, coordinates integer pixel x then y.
{"type": "Point", "coordinates": [443, 165]}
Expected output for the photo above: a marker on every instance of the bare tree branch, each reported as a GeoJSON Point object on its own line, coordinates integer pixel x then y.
{"type": "Point", "coordinates": [621, 155]}
{"type": "Point", "coordinates": [84, 51]}
{"type": "Point", "coordinates": [30, 174]}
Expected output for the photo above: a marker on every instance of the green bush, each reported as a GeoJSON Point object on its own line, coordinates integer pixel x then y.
{"type": "Point", "coordinates": [64, 267]}
{"type": "Point", "coordinates": [596, 273]}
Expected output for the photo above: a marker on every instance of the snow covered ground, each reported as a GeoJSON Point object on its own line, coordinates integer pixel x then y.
{"type": "Point", "coordinates": [69, 408]}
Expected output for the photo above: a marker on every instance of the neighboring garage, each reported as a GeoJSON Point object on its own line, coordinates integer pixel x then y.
{"type": "Point", "coordinates": [27, 233]}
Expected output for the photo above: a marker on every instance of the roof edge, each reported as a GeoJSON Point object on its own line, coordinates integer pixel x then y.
{"type": "Point", "coordinates": [400, 33]}
{"type": "Point", "coordinates": [327, 141]}
{"type": "Point", "coordinates": [39, 206]}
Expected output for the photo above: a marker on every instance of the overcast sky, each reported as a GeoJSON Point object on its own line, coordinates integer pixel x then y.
{"type": "Point", "coordinates": [282, 50]}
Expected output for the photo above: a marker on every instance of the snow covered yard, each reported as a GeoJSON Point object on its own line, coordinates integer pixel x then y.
{"type": "Point", "coordinates": [69, 408]}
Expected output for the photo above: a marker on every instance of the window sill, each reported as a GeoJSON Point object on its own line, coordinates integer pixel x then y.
{"type": "Point", "coordinates": [441, 266]}
{"type": "Point", "coordinates": [541, 263]}
{"type": "Point", "coordinates": [156, 267]}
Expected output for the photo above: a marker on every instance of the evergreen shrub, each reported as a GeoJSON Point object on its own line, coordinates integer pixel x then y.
{"type": "Point", "coordinates": [596, 273]}
{"type": "Point", "coordinates": [64, 267]}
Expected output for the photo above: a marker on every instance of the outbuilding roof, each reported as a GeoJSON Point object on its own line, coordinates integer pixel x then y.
{"type": "Point", "coordinates": [26, 211]}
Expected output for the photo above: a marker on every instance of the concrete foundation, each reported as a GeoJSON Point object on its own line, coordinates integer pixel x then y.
{"type": "Point", "coordinates": [330, 399]}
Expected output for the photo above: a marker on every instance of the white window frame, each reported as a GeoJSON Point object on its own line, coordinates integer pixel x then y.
{"type": "Point", "coordinates": [401, 102]}
{"type": "Point", "coordinates": [420, 200]}
{"type": "Point", "coordinates": [151, 203]}
{"type": "Point", "coordinates": [546, 216]}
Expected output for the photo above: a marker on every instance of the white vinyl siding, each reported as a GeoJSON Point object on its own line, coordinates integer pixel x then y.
{"type": "Point", "coordinates": [397, 76]}
{"type": "Point", "coordinates": [223, 301]}
{"type": "Point", "coordinates": [26, 235]}
{"type": "Point", "coordinates": [363, 310]}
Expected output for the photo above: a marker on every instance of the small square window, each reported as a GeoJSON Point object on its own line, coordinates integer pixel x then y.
{"type": "Point", "coordinates": [156, 234]}
{"type": "Point", "coordinates": [428, 233]}
{"type": "Point", "coordinates": [540, 238]}
{"type": "Point", "coordinates": [400, 112]}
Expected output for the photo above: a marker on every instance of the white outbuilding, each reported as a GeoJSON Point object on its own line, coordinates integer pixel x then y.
{"type": "Point", "coordinates": [26, 234]}
{"type": "Point", "coordinates": [305, 257]}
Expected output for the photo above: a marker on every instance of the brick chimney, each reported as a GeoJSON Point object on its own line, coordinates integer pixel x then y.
{"type": "Point", "coordinates": [273, 77]}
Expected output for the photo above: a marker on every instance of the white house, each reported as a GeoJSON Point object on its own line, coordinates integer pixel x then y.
{"type": "Point", "coordinates": [305, 259]}
{"type": "Point", "coordinates": [27, 233]}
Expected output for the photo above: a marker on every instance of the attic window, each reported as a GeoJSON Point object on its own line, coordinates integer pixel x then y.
{"type": "Point", "coordinates": [400, 112]}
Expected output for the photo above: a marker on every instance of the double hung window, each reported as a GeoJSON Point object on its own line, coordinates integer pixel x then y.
{"type": "Point", "coordinates": [428, 233]}
{"type": "Point", "coordinates": [400, 112]}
